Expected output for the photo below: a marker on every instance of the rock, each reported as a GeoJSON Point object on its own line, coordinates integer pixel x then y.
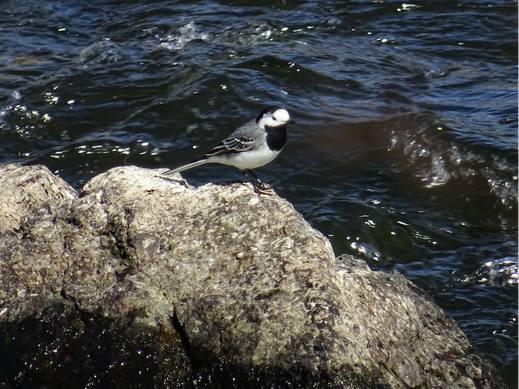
{"type": "Point", "coordinates": [219, 285]}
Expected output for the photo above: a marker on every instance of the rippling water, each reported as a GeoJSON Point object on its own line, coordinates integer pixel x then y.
{"type": "Point", "coordinates": [404, 147]}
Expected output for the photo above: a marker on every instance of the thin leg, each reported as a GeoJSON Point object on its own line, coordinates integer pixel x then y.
{"type": "Point", "coordinates": [259, 186]}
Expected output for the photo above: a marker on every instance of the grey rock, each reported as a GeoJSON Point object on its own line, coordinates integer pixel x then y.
{"type": "Point", "coordinates": [227, 288]}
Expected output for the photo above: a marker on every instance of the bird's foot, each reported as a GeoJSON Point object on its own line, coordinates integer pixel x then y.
{"type": "Point", "coordinates": [262, 188]}
{"type": "Point", "coordinates": [259, 187]}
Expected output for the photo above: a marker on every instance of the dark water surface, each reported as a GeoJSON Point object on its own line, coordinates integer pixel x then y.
{"type": "Point", "coordinates": [404, 150]}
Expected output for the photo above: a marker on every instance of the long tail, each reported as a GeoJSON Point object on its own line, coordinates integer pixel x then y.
{"type": "Point", "coordinates": [185, 167]}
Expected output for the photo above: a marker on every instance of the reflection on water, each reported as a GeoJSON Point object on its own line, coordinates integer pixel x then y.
{"type": "Point", "coordinates": [501, 272]}
{"type": "Point", "coordinates": [404, 147]}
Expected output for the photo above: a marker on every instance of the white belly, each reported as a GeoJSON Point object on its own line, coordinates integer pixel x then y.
{"type": "Point", "coordinates": [248, 159]}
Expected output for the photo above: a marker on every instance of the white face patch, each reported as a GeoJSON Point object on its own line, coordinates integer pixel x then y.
{"type": "Point", "coordinates": [278, 118]}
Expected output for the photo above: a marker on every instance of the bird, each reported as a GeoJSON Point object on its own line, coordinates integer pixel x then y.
{"type": "Point", "coordinates": [250, 146]}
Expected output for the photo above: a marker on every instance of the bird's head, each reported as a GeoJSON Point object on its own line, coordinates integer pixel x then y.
{"type": "Point", "coordinates": [273, 117]}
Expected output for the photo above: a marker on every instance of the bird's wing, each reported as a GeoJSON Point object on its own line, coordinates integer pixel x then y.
{"type": "Point", "coordinates": [232, 145]}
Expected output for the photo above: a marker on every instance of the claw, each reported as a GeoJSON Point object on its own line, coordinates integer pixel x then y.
{"type": "Point", "coordinates": [259, 187]}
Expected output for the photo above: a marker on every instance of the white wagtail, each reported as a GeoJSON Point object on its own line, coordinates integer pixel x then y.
{"type": "Point", "coordinates": [251, 145]}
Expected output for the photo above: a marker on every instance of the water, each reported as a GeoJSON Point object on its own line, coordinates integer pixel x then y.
{"type": "Point", "coordinates": [404, 147]}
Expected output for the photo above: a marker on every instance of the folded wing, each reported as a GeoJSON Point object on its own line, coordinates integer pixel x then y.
{"type": "Point", "coordinates": [232, 145]}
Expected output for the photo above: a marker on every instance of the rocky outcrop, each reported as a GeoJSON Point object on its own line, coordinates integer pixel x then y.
{"type": "Point", "coordinates": [218, 285]}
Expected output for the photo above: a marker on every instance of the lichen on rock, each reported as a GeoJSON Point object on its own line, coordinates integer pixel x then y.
{"type": "Point", "coordinates": [242, 286]}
